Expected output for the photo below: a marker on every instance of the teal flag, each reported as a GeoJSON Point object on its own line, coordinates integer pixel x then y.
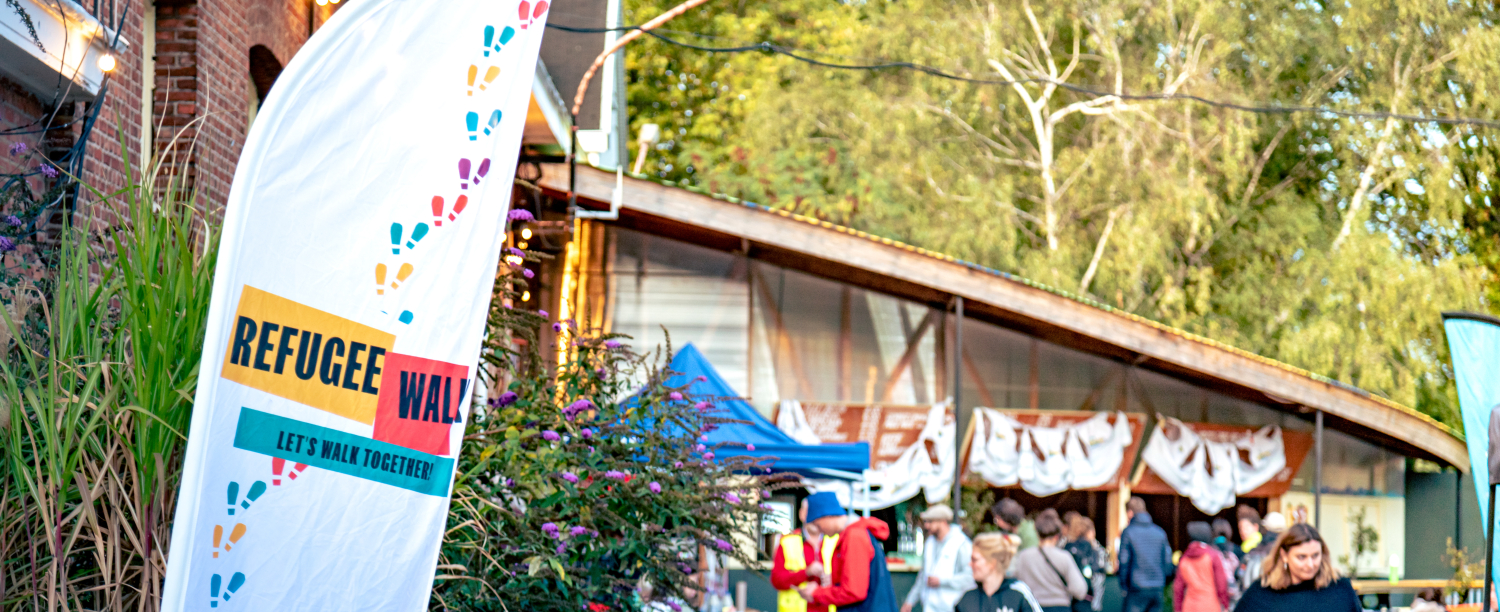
{"type": "Point", "coordinates": [1474, 344]}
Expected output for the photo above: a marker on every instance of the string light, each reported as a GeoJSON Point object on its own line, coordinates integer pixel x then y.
{"type": "Point", "coordinates": [522, 245]}
{"type": "Point", "coordinates": [770, 47]}
{"type": "Point", "coordinates": [107, 62]}
{"type": "Point", "coordinates": [525, 296]}
{"type": "Point", "coordinates": [526, 234]}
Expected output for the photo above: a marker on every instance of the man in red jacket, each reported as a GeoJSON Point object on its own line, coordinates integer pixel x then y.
{"type": "Point", "coordinates": [861, 581]}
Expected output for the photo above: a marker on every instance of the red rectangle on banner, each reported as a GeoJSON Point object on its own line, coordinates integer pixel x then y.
{"type": "Point", "coordinates": [419, 402]}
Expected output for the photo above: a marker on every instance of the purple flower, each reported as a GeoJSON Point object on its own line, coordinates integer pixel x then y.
{"type": "Point", "coordinates": [750, 447]}
{"type": "Point", "coordinates": [557, 327]}
{"type": "Point", "coordinates": [550, 529]}
{"type": "Point", "coordinates": [542, 313]}
{"type": "Point", "coordinates": [675, 395]}
{"type": "Point", "coordinates": [673, 605]}
{"type": "Point", "coordinates": [14, 221]}
{"type": "Point", "coordinates": [510, 482]}
{"type": "Point", "coordinates": [708, 456]}
{"type": "Point", "coordinates": [701, 378]}
{"type": "Point", "coordinates": [505, 399]}
{"type": "Point", "coordinates": [704, 406]}
{"type": "Point", "coordinates": [611, 344]}
{"type": "Point", "coordinates": [7, 245]}
{"type": "Point", "coordinates": [677, 465]}
{"type": "Point", "coordinates": [570, 477]}
{"type": "Point", "coordinates": [586, 433]}
{"type": "Point", "coordinates": [528, 273]}
{"type": "Point", "coordinates": [685, 568]}
{"type": "Point", "coordinates": [18, 148]}
{"type": "Point", "coordinates": [48, 170]}
{"type": "Point", "coordinates": [765, 507]}
{"type": "Point", "coordinates": [766, 493]}
{"type": "Point", "coordinates": [550, 436]}
{"type": "Point", "coordinates": [599, 372]}
{"type": "Point", "coordinates": [520, 214]}
{"type": "Point", "coordinates": [731, 498]}
{"type": "Point", "coordinates": [722, 545]}
{"type": "Point", "coordinates": [562, 548]}
{"type": "Point", "coordinates": [615, 475]}
{"type": "Point", "coordinates": [655, 487]}
{"type": "Point", "coordinates": [578, 530]}
{"type": "Point", "coordinates": [515, 251]}
{"type": "Point", "coordinates": [576, 408]}
{"type": "Point", "coordinates": [700, 448]}
{"type": "Point", "coordinates": [703, 437]}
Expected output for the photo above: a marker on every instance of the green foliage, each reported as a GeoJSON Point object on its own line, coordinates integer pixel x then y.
{"type": "Point", "coordinates": [1364, 539]}
{"type": "Point", "coordinates": [95, 393]}
{"type": "Point", "coordinates": [574, 489]}
{"type": "Point", "coordinates": [1328, 242]}
{"type": "Point", "coordinates": [1465, 572]}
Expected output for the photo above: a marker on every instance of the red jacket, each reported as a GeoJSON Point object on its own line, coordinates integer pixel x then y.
{"type": "Point", "coordinates": [851, 564]}
{"type": "Point", "coordinates": [1201, 585]}
{"type": "Point", "coordinates": [784, 579]}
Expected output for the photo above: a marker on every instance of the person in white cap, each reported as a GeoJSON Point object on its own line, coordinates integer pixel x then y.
{"type": "Point", "coordinates": [946, 574]}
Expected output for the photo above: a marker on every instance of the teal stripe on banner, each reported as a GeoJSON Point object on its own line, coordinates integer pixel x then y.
{"type": "Point", "coordinates": [342, 452]}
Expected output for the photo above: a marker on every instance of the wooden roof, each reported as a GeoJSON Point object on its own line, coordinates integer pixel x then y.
{"type": "Point", "coordinates": [847, 255]}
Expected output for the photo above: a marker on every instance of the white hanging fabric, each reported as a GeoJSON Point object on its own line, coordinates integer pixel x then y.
{"type": "Point", "coordinates": [1097, 449]}
{"type": "Point", "coordinates": [913, 473]}
{"type": "Point", "coordinates": [1210, 473]}
{"type": "Point", "coordinates": [1048, 460]}
{"type": "Point", "coordinates": [1267, 454]}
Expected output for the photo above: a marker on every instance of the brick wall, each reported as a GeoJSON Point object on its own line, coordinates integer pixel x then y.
{"type": "Point", "coordinates": [201, 94]}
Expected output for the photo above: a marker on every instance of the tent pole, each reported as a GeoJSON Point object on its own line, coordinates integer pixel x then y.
{"type": "Point", "coordinates": [961, 417]}
{"type": "Point", "coordinates": [1489, 552]}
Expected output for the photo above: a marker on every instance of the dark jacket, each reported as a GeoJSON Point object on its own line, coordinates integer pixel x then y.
{"type": "Point", "coordinates": [1145, 555]}
{"type": "Point", "coordinates": [1013, 596]}
{"type": "Point", "coordinates": [861, 581]}
{"type": "Point", "coordinates": [1336, 597]}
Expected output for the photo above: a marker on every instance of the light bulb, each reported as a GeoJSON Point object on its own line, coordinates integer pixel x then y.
{"type": "Point", "coordinates": [525, 296]}
{"type": "Point", "coordinates": [522, 245]}
{"type": "Point", "coordinates": [107, 62]}
{"type": "Point", "coordinates": [526, 233]}
{"type": "Point", "coordinates": [322, 2]}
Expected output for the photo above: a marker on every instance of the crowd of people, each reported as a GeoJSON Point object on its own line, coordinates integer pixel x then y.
{"type": "Point", "coordinates": [1046, 562]}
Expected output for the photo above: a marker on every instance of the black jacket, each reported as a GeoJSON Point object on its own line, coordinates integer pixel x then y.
{"type": "Point", "coordinates": [1336, 597]}
{"type": "Point", "coordinates": [1013, 596]}
{"type": "Point", "coordinates": [1145, 556]}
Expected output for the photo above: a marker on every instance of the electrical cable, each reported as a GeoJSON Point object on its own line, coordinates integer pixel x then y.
{"type": "Point", "coordinates": [799, 55]}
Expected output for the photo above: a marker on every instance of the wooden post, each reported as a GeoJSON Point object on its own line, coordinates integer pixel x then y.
{"type": "Point", "coordinates": [1114, 517]}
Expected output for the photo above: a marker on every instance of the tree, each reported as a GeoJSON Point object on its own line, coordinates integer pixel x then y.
{"type": "Point", "coordinates": [1328, 240]}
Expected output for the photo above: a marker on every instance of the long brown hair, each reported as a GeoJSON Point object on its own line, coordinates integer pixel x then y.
{"type": "Point", "coordinates": [1274, 573]}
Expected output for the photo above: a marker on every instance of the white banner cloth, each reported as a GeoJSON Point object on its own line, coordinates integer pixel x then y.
{"type": "Point", "coordinates": [914, 472]}
{"type": "Point", "coordinates": [1083, 455]}
{"type": "Point", "coordinates": [360, 243]}
{"type": "Point", "coordinates": [1210, 473]}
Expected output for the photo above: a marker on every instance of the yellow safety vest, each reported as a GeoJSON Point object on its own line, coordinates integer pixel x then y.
{"type": "Point", "coordinates": [791, 556]}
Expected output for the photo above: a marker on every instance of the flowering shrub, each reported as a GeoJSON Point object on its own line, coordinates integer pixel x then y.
{"type": "Point", "coordinates": [578, 485]}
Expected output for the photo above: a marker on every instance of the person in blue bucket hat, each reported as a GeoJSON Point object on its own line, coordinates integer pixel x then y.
{"type": "Point", "coordinates": [860, 580]}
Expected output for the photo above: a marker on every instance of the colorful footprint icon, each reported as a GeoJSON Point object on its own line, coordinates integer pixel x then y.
{"type": "Point", "coordinates": [234, 537]}
{"type": "Point", "coordinates": [257, 489]}
{"type": "Point", "coordinates": [235, 582]}
{"type": "Point", "coordinates": [528, 14]}
{"type": "Point", "coordinates": [278, 465]}
{"type": "Point", "coordinates": [490, 42]}
{"type": "Point", "coordinates": [402, 274]}
{"type": "Point", "coordinates": [464, 166]}
{"type": "Point", "coordinates": [489, 77]}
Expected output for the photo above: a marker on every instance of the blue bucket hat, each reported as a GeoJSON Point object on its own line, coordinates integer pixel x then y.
{"type": "Point", "coordinates": [823, 504]}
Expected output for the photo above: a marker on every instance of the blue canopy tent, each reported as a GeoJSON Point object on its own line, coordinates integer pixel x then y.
{"type": "Point", "coordinates": [847, 461]}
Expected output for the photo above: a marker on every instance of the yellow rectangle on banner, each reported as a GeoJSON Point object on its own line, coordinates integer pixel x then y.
{"type": "Point", "coordinates": [306, 355]}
